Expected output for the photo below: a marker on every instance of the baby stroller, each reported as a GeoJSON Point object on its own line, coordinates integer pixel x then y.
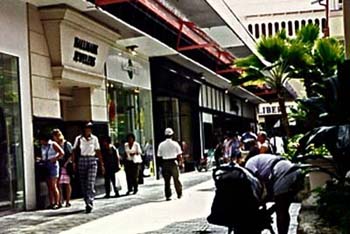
{"type": "Point", "coordinates": [238, 202]}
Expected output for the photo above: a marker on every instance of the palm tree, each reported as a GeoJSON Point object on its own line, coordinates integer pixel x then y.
{"type": "Point", "coordinates": [326, 53]}
{"type": "Point", "coordinates": [276, 62]}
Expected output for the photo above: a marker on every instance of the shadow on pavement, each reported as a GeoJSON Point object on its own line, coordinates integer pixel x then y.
{"type": "Point", "coordinates": [207, 190]}
{"type": "Point", "coordinates": [65, 213]}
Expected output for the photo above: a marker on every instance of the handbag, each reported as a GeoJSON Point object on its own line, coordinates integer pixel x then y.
{"type": "Point", "coordinates": [42, 169]}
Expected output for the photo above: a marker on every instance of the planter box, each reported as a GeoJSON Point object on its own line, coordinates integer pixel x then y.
{"type": "Point", "coordinates": [319, 179]}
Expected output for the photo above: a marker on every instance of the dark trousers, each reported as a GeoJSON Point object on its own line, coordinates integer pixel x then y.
{"type": "Point", "coordinates": [171, 169]}
{"type": "Point", "coordinates": [132, 171]}
{"type": "Point", "coordinates": [87, 168]}
{"type": "Point", "coordinates": [110, 178]}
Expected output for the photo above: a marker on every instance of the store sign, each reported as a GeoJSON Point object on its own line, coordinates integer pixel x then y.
{"type": "Point", "coordinates": [207, 118]}
{"type": "Point", "coordinates": [82, 57]}
{"type": "Point", "coordinates": [129, 67]}
{"type": "Point", "coordinates": [273, 108]}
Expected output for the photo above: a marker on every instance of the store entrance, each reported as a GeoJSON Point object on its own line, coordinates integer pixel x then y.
{"type": "Point", "coordinates": [11, 160]}
{"type": "Point", "coordinates": [181, 116]}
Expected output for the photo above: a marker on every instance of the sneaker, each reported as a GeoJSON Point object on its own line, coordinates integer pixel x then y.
{"type": "Point", "coordinates": [88, 209]}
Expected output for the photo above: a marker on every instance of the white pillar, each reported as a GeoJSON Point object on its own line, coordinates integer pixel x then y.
{"type": "Point", "coordinates": [346, 10]}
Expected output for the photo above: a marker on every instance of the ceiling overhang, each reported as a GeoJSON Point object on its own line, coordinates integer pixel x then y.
{"type": "Point", "coordinates": [131, 36]}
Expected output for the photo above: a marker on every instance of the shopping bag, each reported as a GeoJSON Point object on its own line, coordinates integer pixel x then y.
{"type": "Point", "coordinates": [118, 184]}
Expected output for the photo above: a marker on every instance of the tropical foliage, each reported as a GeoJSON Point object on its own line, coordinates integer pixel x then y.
{"type": "Point", "coordinates": [281, 58]}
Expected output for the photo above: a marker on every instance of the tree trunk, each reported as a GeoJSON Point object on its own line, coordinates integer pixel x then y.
{"type": "Point", "coordinates": [284, 115]}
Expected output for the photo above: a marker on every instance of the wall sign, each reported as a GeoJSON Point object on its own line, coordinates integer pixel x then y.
{"type": "Point", "coordinates": [273, 108]}
{"type": "Point", "coordinates": [130, 69]}
{"type": "Point", "coordinates": [84, 58]}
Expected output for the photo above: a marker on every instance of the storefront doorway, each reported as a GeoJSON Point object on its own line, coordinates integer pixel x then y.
{"type": "Point", "coordinates": [11, 156]}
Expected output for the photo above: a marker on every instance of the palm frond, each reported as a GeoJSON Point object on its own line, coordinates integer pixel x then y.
{"type": "Point", "coordinates": [251, 61]}
{"type": "Point", "coordinates": [297, 55]}
{"type": "Point", "coordinates": [308, 34]}
{"type": "Point", "coordinates": [271, 48]}
{"type": "Point", "coordinates": [328, 52]}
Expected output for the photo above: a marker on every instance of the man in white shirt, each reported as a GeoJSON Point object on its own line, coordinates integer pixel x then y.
{"type": "Point", "coordinates": [169, 151]}
{"type": "Point", "coordinates": [87, 147]}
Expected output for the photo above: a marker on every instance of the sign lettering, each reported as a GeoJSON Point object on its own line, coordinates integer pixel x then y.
{"type": "Point", "coordinates": [84, 58]}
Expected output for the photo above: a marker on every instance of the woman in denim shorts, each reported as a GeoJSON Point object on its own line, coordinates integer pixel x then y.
{"type": "Point", "coordinates": [51, 152]}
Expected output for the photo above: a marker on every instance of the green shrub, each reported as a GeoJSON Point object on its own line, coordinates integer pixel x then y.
{"type": "Point", "coordinates": [334, 205]}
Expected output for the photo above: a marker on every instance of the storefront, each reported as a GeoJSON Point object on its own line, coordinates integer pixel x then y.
{"type": "Point", "coordinates": [16, 160]}
{"type": "Point", "coordinates": [129, 98]}
{"type": "Point", "coordinates": [175, 98]}
{"type": "Point", "coordinates": [222, 112]}
{"type": "Point", "coordinates": [68, 53]}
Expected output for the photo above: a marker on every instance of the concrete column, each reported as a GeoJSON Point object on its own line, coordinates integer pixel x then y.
{"type": "Point", "coordinates": [346, 9]}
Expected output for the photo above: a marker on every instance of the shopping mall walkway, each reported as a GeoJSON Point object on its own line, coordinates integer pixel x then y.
{"type": "Point", "coordinates": [146, 212]}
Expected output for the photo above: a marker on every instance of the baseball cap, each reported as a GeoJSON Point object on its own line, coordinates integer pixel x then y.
{"type": "Point", "coordinates": [169, 132]}
{"type": "Point", "coordinates": [88, 125]}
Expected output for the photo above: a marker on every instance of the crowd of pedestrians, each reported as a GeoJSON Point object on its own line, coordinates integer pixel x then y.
{"type": "Point", "coordinates": [60, 161]}
{"type": "Point", "coordinates": [235, 147]}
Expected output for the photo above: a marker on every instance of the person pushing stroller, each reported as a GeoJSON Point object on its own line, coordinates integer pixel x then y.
{"type": "Point", "coordinates": [282, 180]}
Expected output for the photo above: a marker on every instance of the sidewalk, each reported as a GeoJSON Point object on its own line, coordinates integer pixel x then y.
{"type": "Point", "coordinates": [184, 216]}
{"type": "Point", "coordinates": [56, 221]}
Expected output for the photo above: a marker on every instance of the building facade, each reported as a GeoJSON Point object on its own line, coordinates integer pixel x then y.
{"type": "Point", "coordinates": [16, 157]}
{"type": "Point", "coordinates": [69, 62]}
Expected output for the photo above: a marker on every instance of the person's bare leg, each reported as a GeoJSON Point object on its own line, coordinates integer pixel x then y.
{"type": "Point", "coordinates": [55, 191]}
{"type": "Point", "coordinates": [68, 193]}
{"type": "Point", "coordinates": [51, 195]}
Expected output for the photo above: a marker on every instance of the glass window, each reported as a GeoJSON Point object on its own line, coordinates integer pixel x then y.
{"type": "Point", "coordinates": [317, 22]}
{"type": "Point", "coordinates": [283, 25]}
{"type": "Point", "coordinates": [297, 26]}
{"type": "Point", "coordinates": [263, 29]}
{"type": "Point", "coordinates": [277, 27]}
{"type": "Point", "coordinates": [270, 29]}
{"type": "Point", "coordinates": [323, 24]}
{"type": "Point", "coordinates": [11, 155]}
{"type": "Point", "coordinates": [257, 31]}
{"type": "Point", "coordinates": [129, 110]}
{"type": "Point", "coordinates": [290, 28]}
{"type": "Point", "coordinates": [250, 28]}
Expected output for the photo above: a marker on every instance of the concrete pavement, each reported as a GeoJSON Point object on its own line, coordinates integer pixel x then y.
{"type": "Point", "coordinates": [180, 216]}
{"type": "Point", "coordinates": [56, 221]}
{"type": "Point", "coordinates": [147, 212]}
